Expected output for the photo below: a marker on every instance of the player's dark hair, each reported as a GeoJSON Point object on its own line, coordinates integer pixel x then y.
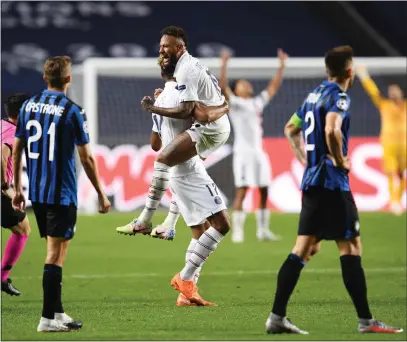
{"type": "Point", "coordinates": [176, 32]}
{"type": "Point", "coordinates": [57, 70]}
{"type": "Point", "coordinates": [232, 85]}
{"type": "Point", "coordinates": [337, 61]}
{"type": "Point", "coordinates": [14, 103]}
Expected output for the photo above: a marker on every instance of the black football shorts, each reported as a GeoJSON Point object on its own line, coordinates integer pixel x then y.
{"type": "Point", "coordinates": [56, 220]}
{"type": "Point", "coordinates": [328, 214]}
{"type": "Point", "coordinates": [9, 216]}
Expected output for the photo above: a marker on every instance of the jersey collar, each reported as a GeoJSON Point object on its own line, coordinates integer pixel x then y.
{"type": "Point", "coordinates": [170, 84]}
{"type": "Point", "coordinates": [327, 83]}
{"type": "Point", "coordinates": [53, 92]}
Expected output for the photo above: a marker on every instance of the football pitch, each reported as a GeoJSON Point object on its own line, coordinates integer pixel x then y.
{"type": "Point", "coordinates": [119, 285]}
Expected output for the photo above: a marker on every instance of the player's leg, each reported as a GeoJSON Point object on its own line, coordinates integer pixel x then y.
{"type": "Point", "coordinates": [390, 166]}
{"type": "Point", "coordinates": [57, 225]}
{"type": "Point", "coordinates": [202, 202]}
{"type": "Point", "coordinates": [240, 173]}
{"type": "Point", "coordinates": [179, 150]}
{"type": "Point", "coordinates": [196, 231]}
{"type": "Point", "coordinates": [345, 226]}
{"type": "Point", "coordinates": [262, 181]}
{"type": "Point", "coordinates": [402, 174]}
{"type": "Point", "coordinates": [166, 230]}
{"type": "Point", "coordinates": [353, 275]}
{"type": "Point", "coordinates": [288, 276]}
{"type": "Point", "coordinates": [307, 244]}
{"type": "Point", "coordinates": [238, 216]}
{"type": "Point", "coordinates": [18, 223]}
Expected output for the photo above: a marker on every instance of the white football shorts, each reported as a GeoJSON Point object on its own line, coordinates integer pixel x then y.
{"type": "Point", "coordinates": [210, 136]}
{"type": "Point", "coordinates": [197, 197]}
{"type": "Point", "coordinates": [251, 170]}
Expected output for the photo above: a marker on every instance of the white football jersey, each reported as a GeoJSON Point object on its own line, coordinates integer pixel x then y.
{"type": "Point", "coordinates": [247, 117]}
{"type": "Point", "coordinates": [169, 128]}
{"type": "Point", "coordinates": [196, 83]}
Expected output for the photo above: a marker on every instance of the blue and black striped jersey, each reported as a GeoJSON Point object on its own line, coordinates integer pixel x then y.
{"type": "Point", "coordinates": [320, 171]}
{"type": "Point", "coordinates": [51, 125]}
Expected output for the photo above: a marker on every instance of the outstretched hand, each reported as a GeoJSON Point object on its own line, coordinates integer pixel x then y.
{"type": "Point", "coordinates": [147, 103]}
{"type": "Point", "coordinates": [282, 56]}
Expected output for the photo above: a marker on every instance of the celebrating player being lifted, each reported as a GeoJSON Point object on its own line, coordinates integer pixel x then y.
{"type": "Point", "coordinates": [251, 165]}
{"type": "Point", "coordinates": [195, 194]}
{"type": "Point", "coordinates": [195, 85]}
{"type": "Point", "coordinates": [49, 127]}
{"type": "Point", "coordinates": [328, 209]}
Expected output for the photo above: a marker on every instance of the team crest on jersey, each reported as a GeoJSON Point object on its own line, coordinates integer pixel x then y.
{"type": "Point", "coordinates": [218, 200]}
{"type": "Point", "coordinates": [85, 127]}
{"type": "Point", "coordinates": [342, 104]}
{"type": "Point", "coordinates": [181, 87]}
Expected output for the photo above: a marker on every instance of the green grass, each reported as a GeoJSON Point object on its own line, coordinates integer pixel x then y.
{"type": "Point", "coordinates": [119, 285]}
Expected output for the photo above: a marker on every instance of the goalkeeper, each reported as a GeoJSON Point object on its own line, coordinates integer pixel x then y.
{"type": "Point", "coordinates": [392, 135]}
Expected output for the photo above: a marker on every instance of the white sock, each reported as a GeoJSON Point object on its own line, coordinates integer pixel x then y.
{"type": "Point", "coordinates": [263, 219]}
{"type": "Point", "coordinates": [173, 215]}
{"type": "Point", "coordinates": [157, 190]}
{"type": "Point", "coordinates": [238, 219]}
{"type": "Point", "coordinates": [206, 244]}
{"type": "Point", "coordinates": [188, 254]}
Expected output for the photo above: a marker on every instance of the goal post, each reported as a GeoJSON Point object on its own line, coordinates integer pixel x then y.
{"type": "Point", "coordinates": [110, 90]}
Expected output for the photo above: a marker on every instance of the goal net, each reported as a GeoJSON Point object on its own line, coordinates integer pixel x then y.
{"type": "Point", "coordinates": [111, 89]}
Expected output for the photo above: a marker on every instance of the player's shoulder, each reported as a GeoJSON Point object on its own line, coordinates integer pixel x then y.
{"type": "Point", "coordinates": [74, 107]}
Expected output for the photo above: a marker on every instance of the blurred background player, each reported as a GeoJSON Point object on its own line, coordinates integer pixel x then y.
{"type": "Point", "coordinates": [328, 209]}
{"type": "Point", "coordinates": [12, 219]}
{"type": "Point", "coordinates": [393, 136]}
{"type": "Point", "coordinates": [251, 166]}
{"type": "Point", "coordinates": [48, 127]}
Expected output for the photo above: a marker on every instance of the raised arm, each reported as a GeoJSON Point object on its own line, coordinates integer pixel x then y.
{"type": "Point", "coordinates": [275, 84]}
{"type": "Point", "coordinates": [369, 85]}
{"type": "Point", "coordinates": [293, 132]}
{"type": "Point", "coordinates": [223, 77]}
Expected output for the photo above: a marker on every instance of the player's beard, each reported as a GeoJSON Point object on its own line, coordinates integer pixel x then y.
{"type": "Point", "coordinates": [169, 60]}
{"type": "Point", "coordinates": [351, 82]}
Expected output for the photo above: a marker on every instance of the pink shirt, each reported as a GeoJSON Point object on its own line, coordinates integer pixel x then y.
{"type": "Point", "coordinates": [8, 130]}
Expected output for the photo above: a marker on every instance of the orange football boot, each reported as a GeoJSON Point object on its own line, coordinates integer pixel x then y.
{"type": "Point", "coordinates": [189, 290]}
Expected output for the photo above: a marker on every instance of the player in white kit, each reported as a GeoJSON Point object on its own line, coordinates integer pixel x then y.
{"type": "Point", "coordinates": [195, 194]}
{"type": "Point", "coordinates": [251, 166]}
{"type": "Point", "coordinates": [195, 85]}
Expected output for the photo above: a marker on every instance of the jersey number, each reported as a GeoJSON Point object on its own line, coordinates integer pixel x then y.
{"type": "Point", "coordinates": [309, 116]}
{"type": "Point", "coordinates": [215, 82]}
{"type": "Point", "coordinates": [37, 136]}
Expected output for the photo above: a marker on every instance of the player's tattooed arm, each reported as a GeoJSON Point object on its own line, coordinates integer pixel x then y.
{"type": "Point", "coordinates": [223, 77]}
{"type": "Point", "coordinates": [275, 84]}
{"type": "Point", "coordinates": [333, 136]}
{"type": "Point", "coordinates": [204, 113]}
{"type": "Point", "coordinates": [19, 199]}
{"type": "Point", "coordinates": [155, 141]}
{"type": "Point", "coordinates": [293, 132]}
{"type": "Point", "coordinates": [184, 111]}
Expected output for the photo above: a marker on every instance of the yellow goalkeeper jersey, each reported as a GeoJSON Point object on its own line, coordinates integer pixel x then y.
{"type": "Point", "coordinates": [393, 116]}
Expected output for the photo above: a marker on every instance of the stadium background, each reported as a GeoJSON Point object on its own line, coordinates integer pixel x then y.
{"type": "Point", "coordinates": [32, 31]}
